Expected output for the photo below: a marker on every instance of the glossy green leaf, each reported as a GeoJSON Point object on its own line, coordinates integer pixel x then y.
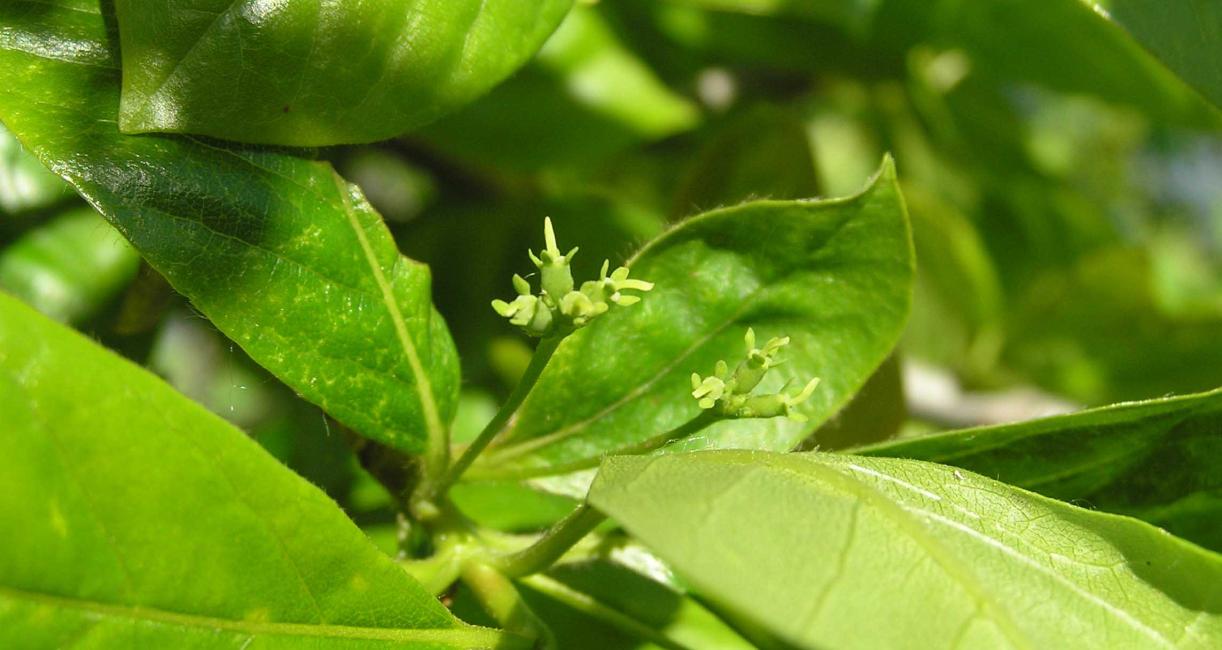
{"type": "Point", "coordinates": [132, 517]}
{"type": "Point", "coordinates": [70, 267]}
{"type": "Point", "coordinates": [835, 275]}
{"type": "Point", "coordinates": [819, 550]}
{"type": "Point", "coordinates": [585, 97]}
{"type": "Point", "coordinates": [1157, 460]}
{"type": "Point", "coordinates": [306, 73]}
{"type": "Point", "coordinates": [1185, 35]}
{"type": "Point", "coordinates": [24, 183]}
{"type": "Point", "coordinates": [283, 256]}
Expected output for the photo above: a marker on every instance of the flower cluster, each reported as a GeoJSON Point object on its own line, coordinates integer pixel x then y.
{"type": "Point", "coordinates": [729, 395]}
{"type": "Point", "coordinates": [559, 308]}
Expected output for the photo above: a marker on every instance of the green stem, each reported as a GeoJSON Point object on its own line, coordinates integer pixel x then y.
{"type": "Point", "coordinates": [438, 572]}
{"type": "Point", "coordinates": [543, 354]}
{"type": "Point", "coordinates": [590, 606]}
{"type": "Point", "coordinates": [500, 598]}
{"type": "Point", "coordinates": [455, 542]}
{"type": "Point", "coordinates": [553, 545]}
{"type": "Point", "coordinates": [694, 425]}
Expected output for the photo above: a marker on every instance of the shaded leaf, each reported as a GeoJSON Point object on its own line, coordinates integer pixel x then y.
{"type": "Point", "coordinates": [24, 183]}
{"type": "Point", "coordinates": [1186, 36]}
{"type": "Point", "coordinates": [875, 413]}
{"type": "Point", "coordinates": [599, 604]}
{"type": "Point", "coordinates": [283, 256]}
{"type": "Point", "coordinates": [763, 154]}
{"type": "Point", "coordinates": [133, 517]}
{"type": "Point", "coordinates": [811, 549]}
{"type": "Point", "coordinates": [585, 97]}
{"type": "Point", "coordinates": [1097, 332]}
{"type": "Point", "coordinates": [1157, 460]}
{"type": "Point", "coordinates": [69, 268]}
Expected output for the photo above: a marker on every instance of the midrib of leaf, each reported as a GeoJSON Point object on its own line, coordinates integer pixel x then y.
{"type": "Point", "coordinates": [905, 517]}
{"type": "Point", "coordinates": [464, 637]}
{"type": "Point", "coordinates": [178, 64]}
{"type": "Point", "coordinates": [437, 449]}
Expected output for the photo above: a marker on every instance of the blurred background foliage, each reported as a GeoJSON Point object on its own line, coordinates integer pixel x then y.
{"type": "Point", "coordinates": [1062, 167]}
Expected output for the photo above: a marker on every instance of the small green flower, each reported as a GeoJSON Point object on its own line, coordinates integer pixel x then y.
{"type": "Point", "coordinates": [730, 395]}
{"type": "Point", "coordinates": [611, 288]}
{"type": "Point", "coordinates": [557, 277]}
{"type": "Point", "coordinates": [559, 308]}
{"type": "Point", "coordinates": [526, 311]}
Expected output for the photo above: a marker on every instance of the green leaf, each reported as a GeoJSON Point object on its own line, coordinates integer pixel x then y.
{"type": "Point", "coordinates": [599, 604]}
{"type": "Point", "coordinates": [24, 183]}
{"type": "Point", "coordinates": [1185, 35]}
{"type": "Point", "coordinates": [306, 73]}
{"type": "Point", "coordinates": [586, 96]}
{"type": "Point", "coordinates": [70, 267]}
{"type": "Point", "coordinates": [764, 153]}
{"type": "Point", "coordinates": [814, 550]}
{"type": "Point", "coordinates": [282, 255]}
{"type": "Point", "coordinates": [958, 299]}
{"type": "Point", "coordinates": [853, 15]}
{"type": "Point", "coordinates": [134, 518]}
{"type": "Point", "coordinates": [834, 275]}
{"type": "Point", "coordinates": [875, 413]}
{"type": "Point", "coordinates": [1099, 331]}
{"type": "Point", "coordinates": [509, 506]}
{"type": "Point", "coordinates": [1157, 460]}
{"type": "Point", "coordinates": [1065, 46]}
{"type": "Point", "coordinates": [206, 367]}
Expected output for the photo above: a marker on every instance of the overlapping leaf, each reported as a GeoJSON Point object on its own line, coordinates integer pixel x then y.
{"type": "Point", "coordinates": [131, 517]}
{"type": "Point", "coordinates": [282, 255]}
{"type": "Point", "coordinates": [1157, 460]}
{"type": "Point", "coordinates": [819, 550]}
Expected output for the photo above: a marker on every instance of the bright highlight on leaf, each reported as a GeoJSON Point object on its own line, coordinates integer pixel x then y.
{"type": "Point", "coordinates": [559, 309]}
{"type": "Point", "coordinates": [308, 73]}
